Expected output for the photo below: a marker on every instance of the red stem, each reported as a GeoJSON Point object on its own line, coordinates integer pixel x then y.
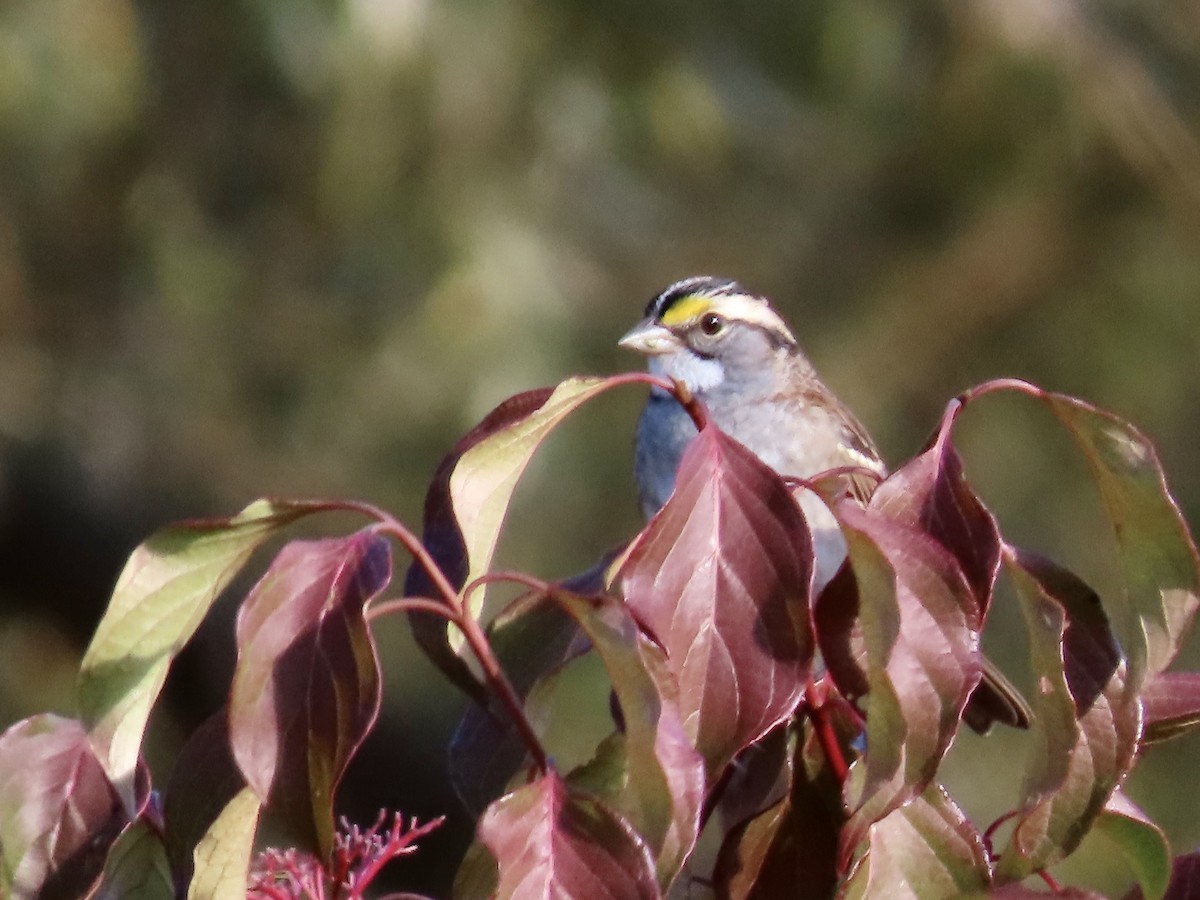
{"type": "Point", "coordinates": [826, 735]}
{"type": "Point", "coordinates": [1050, 880]}
{"type": "Point", "coordinates": [382, 608]}
{"type": "Point", "coordinates": [472, 631]}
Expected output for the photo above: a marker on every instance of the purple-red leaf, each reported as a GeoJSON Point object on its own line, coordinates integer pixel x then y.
{"type": "Point", "coordinates": [1087, 715]}
{"type": "Point", "coordinates": [931, 493]}
{"type": "Point", "coordinates": [721, 578]}
{"type": "Point", "coordinates": [663, 787]}
{"type": "Point", "coordinates": [790, 848]}
{"type": "Point", "coordinates": [926, 848]}
{"type": "Point", "coordinates": [555, 843]}
{"type": "Point", "coordinates": [306, 689]}
{"type": "Point", "coordinates": [921, 635]}
{"type": "Point", "coordinates": [58, 811]}
{"type": "Point", "coordinates": [1170, 706]}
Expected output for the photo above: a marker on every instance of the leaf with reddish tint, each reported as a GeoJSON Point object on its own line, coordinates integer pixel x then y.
{"type": "Point", "coordinates": [931, 493]}
{"type": "Point", "coordinates": [58, 810]}
{"type": "Point", "coordinates": [204, 781]}
{"type": "Point", "coordinates": [921, 634]}
{"type": "Point", "coordinates": [552, 842]}
{"type": "Point", "coordinates": [1087, 715]}
{"type": "Point", "coordinates": [306, 688]}
{"type": "Point", "coordinates": [467, 501]}
{"type": "Point", "coordinates": [1170, 706]}
{"type": "Point", "coordinates": [789, 849]}
{"type": "Point", "coordinates": [1185, 879]}
{"type": "Point", "coordinates": [1143, 843]}
{"type": "Point", "coordinates": [1024, 892]}
{"type": "Point", "coordinates": [926, 848]}
{"type": "Point", "coordinates": [136, 868]}
{"type": "Point", "coordinates": [721, 577]}
{"type": "Point", "coordinates": [663, 787]}
{"type": "Point", "coordinates": [162, 595]}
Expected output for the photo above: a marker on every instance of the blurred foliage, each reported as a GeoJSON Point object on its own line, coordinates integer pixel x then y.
{"type": "Point", "coordinates": [296, 247]}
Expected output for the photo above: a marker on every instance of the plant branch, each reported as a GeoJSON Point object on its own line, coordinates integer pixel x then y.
{"type": "Point", "coordinates": [382, 608]}
{"type": "Point", "coordinates": [816, 710]}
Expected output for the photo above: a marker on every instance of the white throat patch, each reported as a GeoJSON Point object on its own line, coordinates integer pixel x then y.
{"type": "Point", "coordinates": [697, 373]}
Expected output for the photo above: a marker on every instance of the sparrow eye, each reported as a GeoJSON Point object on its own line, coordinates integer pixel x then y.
{"type": "Point", "coordinates": [711, 324]}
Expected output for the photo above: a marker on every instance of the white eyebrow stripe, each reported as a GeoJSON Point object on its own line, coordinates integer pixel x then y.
{"type": "Point", "coordinates": [750, 309]}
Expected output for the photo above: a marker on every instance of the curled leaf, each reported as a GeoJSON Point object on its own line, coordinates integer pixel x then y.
{"type": "Point", "coordinates": [920, 630]}
{"type": "Point", "coordinates": [1140, 840]}
{"type": "Point", "coordinates": [1087, 715]}
{"type": "Point", "coordinates": [663, 784]}
{"type": "Point", "coordinates": [306, 688]}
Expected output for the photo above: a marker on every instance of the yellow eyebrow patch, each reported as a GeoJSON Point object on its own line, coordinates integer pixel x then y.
{"type": "Point", "coordinates": [685, 309]}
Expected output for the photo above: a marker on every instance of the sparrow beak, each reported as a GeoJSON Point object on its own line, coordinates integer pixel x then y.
{"type": "Point", "coordinates": [649, 338]}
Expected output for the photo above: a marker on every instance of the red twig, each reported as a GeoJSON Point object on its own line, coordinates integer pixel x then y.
{"type": "Point", "coordinates": [460, 616]}
{"type": "Point", "coordinates": [815, 708]}
{"type": "Point", "coordinates": [410, 604]}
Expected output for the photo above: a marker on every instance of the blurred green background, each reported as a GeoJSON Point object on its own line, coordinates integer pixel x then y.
{"type": "Point", "coordinates": [296, 247]}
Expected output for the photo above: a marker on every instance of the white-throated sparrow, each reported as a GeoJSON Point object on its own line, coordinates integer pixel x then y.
{"type": "Point", "coordinates": [738, 357]}
{"type": "Point", "coordinates": [741, 361]}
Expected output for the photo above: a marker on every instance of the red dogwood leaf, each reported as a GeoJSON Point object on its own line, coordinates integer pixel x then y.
{"type": "Point", "coordinates": [926, 848]}
{"type": "Point", "coordinates": [58, 810]}
{"type": "Point", "coordinates": [720, 576]}
{"type": "Point", "coordinates": [921, 635]}
{"type": "Point", "coordinates": [552, 842]}
{"type": "Point", "coordinates": [1170, 706]}
{"type": "Point", "coordinates": [306, 688]}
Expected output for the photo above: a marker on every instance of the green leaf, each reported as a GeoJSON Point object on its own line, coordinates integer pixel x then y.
{"type": "Point", "coordinates": [204, 781]}
{"type": "Point", "coordinates": [483, 481]}
{"type": "Point", "coordinates": [1158, 558]}
{"type": "Point", "coordinates": [222, 857]}
{"type": "Point", "coordinates": [926, 848]}
{"type": "Point", "coordinates": [137, 867]}
{"type": "Point", "coordinates": [663, 789]}
{"type": "Point", "coordinates": [162, 595]}
{"type": "Point", "coordinates": [1087, 715]}
{"type": "Point", "coordinates": [1143, 843]}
